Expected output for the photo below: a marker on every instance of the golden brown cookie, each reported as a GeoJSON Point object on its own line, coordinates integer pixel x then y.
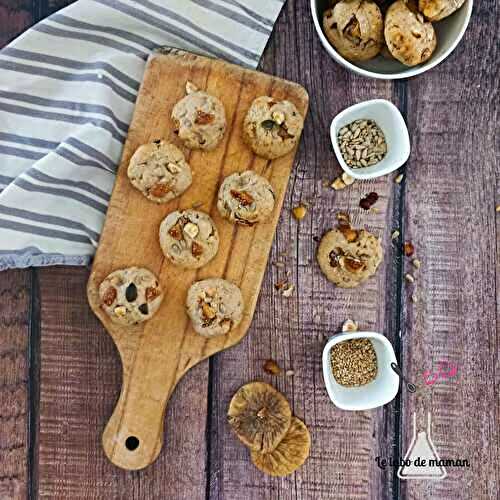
{"type": "Point", "coordinates": [409, 37]}
{"type": "Point", "coordinates": [272, 128]}
{"type": "Point", "coordinates": [435, 10]}
{"type": "Point", "coordinates": [355, 28]}
{"type": "Point", "coordinates": [348, 256]}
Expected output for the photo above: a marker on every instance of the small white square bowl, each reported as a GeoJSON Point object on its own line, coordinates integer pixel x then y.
{"type": "Point", "coordinates": [378, 392]}
{"type": "Point", "coordinates": [389, 119]}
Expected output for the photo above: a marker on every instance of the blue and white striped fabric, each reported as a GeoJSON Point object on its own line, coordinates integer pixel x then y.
{"type": "Point", "coordinates": [67, 92]}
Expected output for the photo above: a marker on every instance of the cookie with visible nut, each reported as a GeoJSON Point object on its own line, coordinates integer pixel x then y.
{"type": "Point", "coordinates": [435, 10]}
{"type": "Point", "coordinates": [215, 306]}
{"type": "Point", "coordinates": [409, 37]}
{"type": "Point", "coordinates": [272, 128]}
{"type": "Point", "coordinates": [159, 171]}
{"type": "Point", "coordinates": [349, 256]}
{"type": "Point", "coordinates": [189, 238]}
{"type": "Point", "coordinates": [246, 198]}
{"type": "Point", "coordinates": [130, 296]}
{"type": "Point", "coordinates": [355, 28]}
{"type": "Point", "coordinates": [199, 120]}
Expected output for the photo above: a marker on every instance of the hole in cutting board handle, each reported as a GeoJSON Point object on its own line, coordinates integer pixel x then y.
{"type": "Point", "coordinates": [132, 443]}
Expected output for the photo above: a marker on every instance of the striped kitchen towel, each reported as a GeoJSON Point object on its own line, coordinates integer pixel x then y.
{"type": "Point", "coordinates": [67, 92]}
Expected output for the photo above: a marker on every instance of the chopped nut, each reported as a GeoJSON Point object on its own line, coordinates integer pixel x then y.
{"type": "Point", "coordinates": [288, 291]}
{"type": "Point", "coordinates": [120, 311]}
{"type": "Point", "coordinates": [416, 263]}
{"type": "Point", "coordinates": [338, 184]}
{"type": "Point", "coordinates": [191, 87]}
{"type": "Point", "coordinates": [349, 234]}
{"type": "Point", "coordinates": [409, 278]}
{"type": "Point", "coordinates": [289, 373]}
{"type": "Point", "coordinates": [207, 311]}
{"type": "Point", "coordinates": [271, 367]}
{"type": "Point", "coordinates": [368, 201]}
{"type": "Point", "coordinates": [374, 210]}
{"type": "Point", "coordinates": [399, 179]}
{"type": "Point", "coordinates": [278, 117]}
{"type": "Point", "coordinates": [109, 296]}
{"type": "Point", "coordinates": [408, 249]}
{"type": "Point", "coordinates": [243, 197]}
{"type": "Point", "coordinates": [280, 285]}
{"type": "Point", "coordinates": [279, 264]}
{"type": "Point", "coordinates": [152, 293]}
{"type": "Point", "coordinates": [176, 232]}
{"type": "Point", "coordinates": [350, 326]}
{"type": "Point", "coordinates": [299, 212]}
{"type": "Point", "coordinates": [173, 168]}
{"type": "Point", "coordinates": [203, 118]}
{"type": "Point", "coordinates": [414, 298]}
{"type": "Point", "coordinates": [348, 180]}
{"type": "Point", "coordinates": [352, 264]}
{"type": "Point", "coordinates": [160, 189]}
{"type": "Point", "coordinates": [343, 219]}
{"type": "Point", "coordinates": [191, 230]}
{"type": "Point", "coordinates": [497, 208]}
{"type": "Point", "coordinates": [196, 249]}
{"type": "Point", "coordinates": [395, 234]}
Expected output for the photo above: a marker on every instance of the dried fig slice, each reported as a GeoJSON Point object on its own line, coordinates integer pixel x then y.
{"type": "Point", "coordinates": [260, 416]}
{"type": "Point", "coordinates": [289, 455]}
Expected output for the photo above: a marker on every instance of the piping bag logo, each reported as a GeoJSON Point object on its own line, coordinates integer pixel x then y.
{"type": "Point", "coordinates": [422, 460]}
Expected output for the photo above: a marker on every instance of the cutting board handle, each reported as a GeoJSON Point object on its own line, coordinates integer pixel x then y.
{"type": "Point", "coordinates": [133, 436]}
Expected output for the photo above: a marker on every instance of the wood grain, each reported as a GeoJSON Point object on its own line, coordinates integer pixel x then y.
{"type": "Point", "coordinates": [14, 336]}
{"type": "Point", "coordinates": [451, 183]}
{"type": "Point", "coordinates": [80, 381]}
{"type": "Point", "coordinates": [293, 331]}
{"type": "Point", "coordinates": [155, 355]}
{"type": "Point", "coordinates": [450, 216]}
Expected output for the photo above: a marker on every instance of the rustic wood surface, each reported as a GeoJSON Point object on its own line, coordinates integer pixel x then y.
{"type": "Point", "coordinates": [60, 372]}
{"type": "Point", "coordinates": [156, 354]}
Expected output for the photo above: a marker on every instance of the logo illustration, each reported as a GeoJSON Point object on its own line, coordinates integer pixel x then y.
{"type": "Point", "coordinates": [421, 460]}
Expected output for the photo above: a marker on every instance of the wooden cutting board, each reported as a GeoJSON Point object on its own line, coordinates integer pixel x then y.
{"type": "Point", "coordinates": [156, 354]}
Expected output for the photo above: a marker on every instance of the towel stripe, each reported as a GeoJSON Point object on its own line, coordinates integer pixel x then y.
{"type": "Point", "coordinates": [72, 64]}
{"type": "Point", "coordinates": [70, 77]}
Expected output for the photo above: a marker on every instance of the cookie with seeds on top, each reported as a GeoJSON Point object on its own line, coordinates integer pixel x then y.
{"type": "Point", "coordinates": [215, 306]}
{"type": "Point", "coordinates": [199, 119]}
{"type": "Point", "coordinates": [246, 198]}
{"type": "Point", "coordinates": [159, 171]}
{"type": "Point", "coordinates": [189, 238]}
{"type": "Point", "coordinates": [130, 296]}
{"type": "Point", "coordinates": [272, 128]}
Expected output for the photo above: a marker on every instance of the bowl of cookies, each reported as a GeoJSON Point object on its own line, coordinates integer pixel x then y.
{"type": "Point", "coordinates": [390, 39]}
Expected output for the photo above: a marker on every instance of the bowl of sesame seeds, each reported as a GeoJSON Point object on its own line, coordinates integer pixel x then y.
{"type": "Point", "coordinates": [357, 370]}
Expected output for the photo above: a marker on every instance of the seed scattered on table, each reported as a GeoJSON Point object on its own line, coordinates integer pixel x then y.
{"type": "Point", "coordinates": [354, 362]}
{"type": "Point", "coordinates": [399, 179]}
{"type": "Point", "coordinates": [362, 144]}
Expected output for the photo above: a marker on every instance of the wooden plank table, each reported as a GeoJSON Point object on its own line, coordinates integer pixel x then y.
{"type": "Point", "coordinates": [60, 374]}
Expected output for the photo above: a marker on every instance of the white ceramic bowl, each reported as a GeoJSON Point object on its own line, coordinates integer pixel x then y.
{"type": "Point", "coordinates": [392, 124]}
{"type": "Point", "coordinates": [379, 392]}
{"type": "Point", "coordinates": [449, 32]}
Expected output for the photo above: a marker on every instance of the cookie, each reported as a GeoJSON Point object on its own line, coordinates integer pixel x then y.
{"type": "Point", "coordinates": [355, 28]}
{"type": "Point", "coordinates": [159, 171]}
{"type": "Point", "coordinates": [435, 10]}
{"type": "Point", "coordinates": [409, 37]}
{"type": "Point", "coordinates": [215, 306]}
{"type": "Point", "coordinates": [189, 238]}
{"type": "Point", "coordinates": [246, 198]}
{"type": "Point", "coordinates": [130, 296]}
{"type": "Point", "coordinates": [272, 128]}
{"type": "Point", "coordinates": [348, 257]}
{"type": "Point", "coordinates": [199, 120]}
